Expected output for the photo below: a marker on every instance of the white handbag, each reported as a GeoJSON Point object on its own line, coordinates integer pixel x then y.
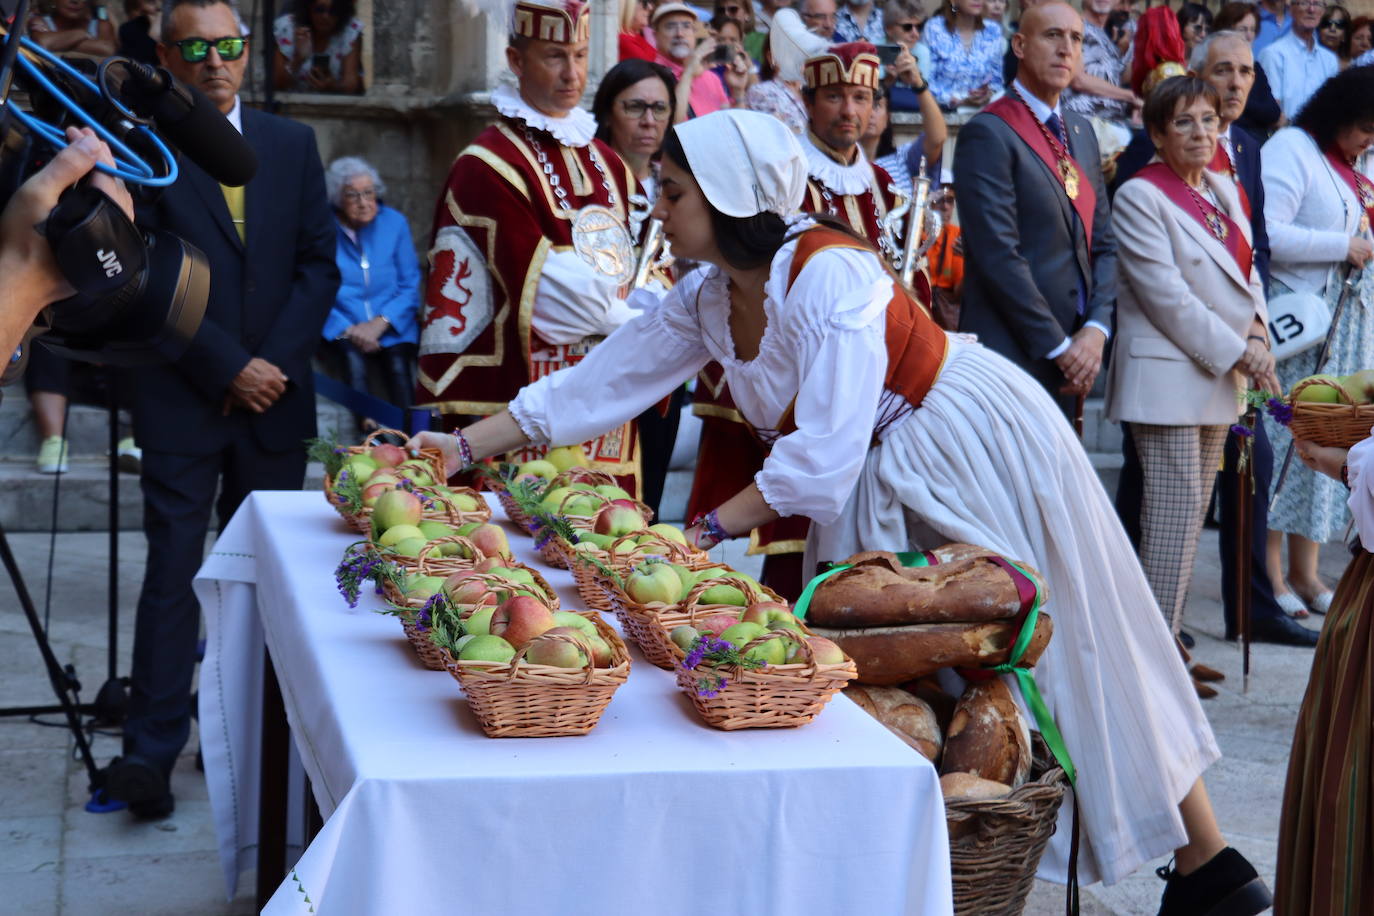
{"type": "Point", "coordinates": [1297, 322]}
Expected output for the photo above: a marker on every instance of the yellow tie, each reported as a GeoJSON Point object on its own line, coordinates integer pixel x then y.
{"type": "Point", "coordinates": [234, 198]}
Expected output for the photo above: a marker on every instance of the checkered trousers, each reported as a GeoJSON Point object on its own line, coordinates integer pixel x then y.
{"type": "Point", "coordinates": [1179, 464]}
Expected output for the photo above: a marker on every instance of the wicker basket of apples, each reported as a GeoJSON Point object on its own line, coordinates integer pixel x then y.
{"type": "Point", "coordinates": [658, 596]}
{"type": "Point", "coordinates": [529, 671]}
{"type": "Point", "coordinates": [600, 562]}
{"type": "Point", "coordinates": [354, 476]}
{"type": "Point", "coordinates": [1334, 411]}
{"type": "Point", "coordinates": [416, 600]}
{"type": "Point", "coordinates": [760, 668]}
{"type": "Point", "coordinates": [399, 530]}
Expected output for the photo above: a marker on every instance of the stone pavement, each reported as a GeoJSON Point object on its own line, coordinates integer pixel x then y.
{"type": "Point", "coordinates": [57, 859]}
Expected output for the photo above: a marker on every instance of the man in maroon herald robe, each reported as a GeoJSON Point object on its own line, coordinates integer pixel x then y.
{"type": "Point", "coordinates": [838, 88]}
{"type": "Point", "coordinates": [531, 252]}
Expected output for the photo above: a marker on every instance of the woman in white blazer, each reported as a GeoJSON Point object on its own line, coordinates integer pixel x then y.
{"type": "Point", "coordinates": [1191, 327]}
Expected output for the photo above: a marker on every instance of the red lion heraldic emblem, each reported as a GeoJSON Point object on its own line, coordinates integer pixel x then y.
{"type": "Point", "coordinates": [458, 303]}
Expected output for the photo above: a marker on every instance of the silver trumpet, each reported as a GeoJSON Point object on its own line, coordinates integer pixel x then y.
{"type": "Point", "coordinates": [653, 255]}
{"type": "Point", "coordinates": [923, 227]}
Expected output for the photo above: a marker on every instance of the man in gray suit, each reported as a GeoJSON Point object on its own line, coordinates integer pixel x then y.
{"type": "Point", "coordinates": [1040, 258]}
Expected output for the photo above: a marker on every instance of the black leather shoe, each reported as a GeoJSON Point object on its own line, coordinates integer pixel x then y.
{"type": "Point", "coordinates": [154, 809]}
{"type": "Point", "coordinates": [1284, 631]}
{"type": "Point", "coordinates": [1186, 638]}
{"type": "Point", "coordinates": [135, 779]}
{"type": "Point", "coordinates": [1226, 886]}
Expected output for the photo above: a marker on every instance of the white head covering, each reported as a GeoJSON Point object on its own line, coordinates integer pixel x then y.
{"type": "Point", "coordinates": [746, 162]}
{"type": "Point", "coordinates": [791, 44]}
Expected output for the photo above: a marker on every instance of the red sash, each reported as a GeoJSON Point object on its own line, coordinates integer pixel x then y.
{"type": "Point", "coordinates": [1362, 186]}
{"type": "Point", "coordinates": [1013, 109]}
{"type": "Point", "coordinates": [1222, 163]}
{"type": "Point", "coordinates": [1220, 226]}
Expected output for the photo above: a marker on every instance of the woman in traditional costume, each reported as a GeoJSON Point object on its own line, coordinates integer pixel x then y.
{"type": "Point", "coordinates": [1326, 834]}
{"type": "Point", "coordinates": [890, 434]}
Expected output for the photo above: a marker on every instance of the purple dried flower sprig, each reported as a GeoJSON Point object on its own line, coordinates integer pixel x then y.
{"type": "Point", "coordinates": [1240, 429]}
{"type": "Point", "coordinates": [1281, 412]}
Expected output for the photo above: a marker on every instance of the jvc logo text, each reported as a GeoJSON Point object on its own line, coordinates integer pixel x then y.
{"type": "Point", "coordinates": [110, 262]}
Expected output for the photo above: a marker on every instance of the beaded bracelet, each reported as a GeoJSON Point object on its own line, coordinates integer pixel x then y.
{"type": "Point", "coordinates": [464, 449]}
{"type": "Point", "coordinates": [711, 522]}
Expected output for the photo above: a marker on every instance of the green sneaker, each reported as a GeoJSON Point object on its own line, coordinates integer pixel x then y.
{"type": "Point", "coordinates": [52, 456]}
{"type": "Point", "coordinates": [128, 456]}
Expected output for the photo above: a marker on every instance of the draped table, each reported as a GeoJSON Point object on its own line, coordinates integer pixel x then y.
{"type": "Point", "coordinates": [651, 812]}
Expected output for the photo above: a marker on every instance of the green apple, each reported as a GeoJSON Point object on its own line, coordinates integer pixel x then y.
{"type": "Point", "coordinates": [1325, 392]}
{"type": "Point", "coordinates": [433, 530]}
{"type": "Point", "coordinates": [487, 649]}
{"type": "Point", "coordinates": [539, 468]}
{"type": "Point", "coordinates": [423, 586]}
{"type": "Point", "coordinates": [770, 651]}
{"type": "Point", "coordinates": [683, 637]}
{"type": "Point", "coordinates": [396, 507]}
{"type": "Point", "coordinates": [398, 533]}
{"type": "Point", "coordinates": [741, 633]}
{"type": "Point", "coordinates": [554, 499]}
{"type": "Point", "coordinates": [611, 491]}
{"type": "Point", "coordinates": [463, 641]}
{"type": "Point", "coordinates": [669, 532]}
{"type": "Point", "coordinates": [410, 547]}
{"type": "Point", "coordinates": [575, 620]}
{"type": "Point", "coordinates": [566, 456]}
{"type": "Point", "coordinates": [478, 623]}
{"type": "Point", "coordinates": [686, 577]}
{"type": "Point", "coordinates": [359, 467]}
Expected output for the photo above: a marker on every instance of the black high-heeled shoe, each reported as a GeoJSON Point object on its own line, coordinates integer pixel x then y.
{"type": "Point", "coordinates": [1226, 885]}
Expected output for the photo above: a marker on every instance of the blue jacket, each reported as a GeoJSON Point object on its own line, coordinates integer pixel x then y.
{"type": "Point", "coordinates": [380, 278]}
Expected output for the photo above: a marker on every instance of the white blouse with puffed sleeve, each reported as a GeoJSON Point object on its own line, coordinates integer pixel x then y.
{"type": "Point", "coordinates": [824, 347]}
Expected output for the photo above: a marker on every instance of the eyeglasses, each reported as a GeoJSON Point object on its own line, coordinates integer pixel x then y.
{"type": "Point", "coordinates": [677, 25]}
{"type": "Point", "coordinates": [1341, 24]}
{"type": "Point", "coordinates": [1308, 4]}
{"type": "Point", "coordinates": [352, 196]}
{"type": "Point", "coordinates": [635, 108]}
{"type": "Point", "coordinates": [195, 50]}
{"type": "Point", "coordinates": [908, 26]}
{"type": "Point", "coordinates": [1208, 124]}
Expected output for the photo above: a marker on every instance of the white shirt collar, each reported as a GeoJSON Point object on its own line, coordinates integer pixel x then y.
{"type": "Point", "coordinates": [1038, 108]}
{"type": "Point", "coordinates": [576, 128]}
{"type": "Point", "coordinates": [235, 115]}
{"type": "Point", "coordinates": [855, 178]}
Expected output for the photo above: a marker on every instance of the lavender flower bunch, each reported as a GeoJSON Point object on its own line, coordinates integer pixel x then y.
{"type": "Point", "coordinates": [359, 564]}
{"type": "Point", "coordinates": [715, 652]}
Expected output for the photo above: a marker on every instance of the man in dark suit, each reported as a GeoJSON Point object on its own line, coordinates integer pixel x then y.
{"type": "Point", "coordinates": [233, 413]}
{"type": "Point", "coordinates": [1226, 61]}
{"type": "Point", "coordinates": [1040, 258]}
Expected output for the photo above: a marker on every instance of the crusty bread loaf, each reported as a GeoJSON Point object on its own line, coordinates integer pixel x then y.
{"type": "Point", "coordinates": [988, 736]}
{"type": "Point", "coordinates": [908, 717]}
{"type": "Point", "coordinates": [879, 592]}
{"type": "Point", "coordinates": [891, 655]}
{"type": "Point", "coordinates": [966, 785]}
{"type": "Point", "coordinates": [937, 698]}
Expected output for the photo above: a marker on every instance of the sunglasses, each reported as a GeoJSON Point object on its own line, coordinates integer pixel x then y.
{"type": "Point", "coordinates": [195, 50]}
{"type": "Point", "coordinates": [1335, 24]}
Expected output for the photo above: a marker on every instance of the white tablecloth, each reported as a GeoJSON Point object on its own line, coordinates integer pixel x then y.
{"type": "Point", "coordinates": [651, 812]}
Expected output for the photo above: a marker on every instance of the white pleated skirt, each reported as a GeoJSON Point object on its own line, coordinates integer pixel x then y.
{"type": "Point", "coordinates": [989, 459]}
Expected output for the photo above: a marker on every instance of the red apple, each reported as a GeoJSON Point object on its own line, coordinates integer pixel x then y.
{"type": "Point", "coordinates": [544, 649]}
{"type": "Point", "coordinates": [763, 612]}
{"type": "Point", "coordinates": [491, 540]}
{"type": "Point", "coordinates": [396, 507]}
{"type": "Point", "coordinates": [826, 652]}
{"type": "Point", "coordinates": [520, 619]}
{"type": "Point", "coordinates": [388, 456]}
{"type": "Point", "coordinates": [717, 623]}
{"type": "Point", "coordinates": [462, 588]}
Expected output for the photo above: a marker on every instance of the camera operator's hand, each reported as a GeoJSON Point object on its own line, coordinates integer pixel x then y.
{"type": "Point", "coordinates": [31, 278]}
{"type": "Point", "coordinates": [256, 387]}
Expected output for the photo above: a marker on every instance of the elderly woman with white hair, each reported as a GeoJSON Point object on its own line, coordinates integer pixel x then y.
{"type": "Point", "coordinates": [890, 434]}
{"type": "Point", "coordinates": [375, 319]}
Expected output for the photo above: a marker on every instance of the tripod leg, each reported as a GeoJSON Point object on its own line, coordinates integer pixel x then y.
{"type": "Point", "coordinates": [56, 675]}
